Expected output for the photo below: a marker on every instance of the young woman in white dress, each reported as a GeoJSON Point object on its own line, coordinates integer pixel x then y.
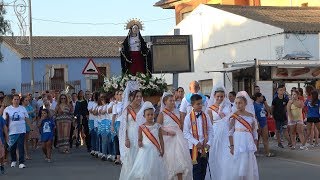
{"type": "Point", "coordinates": [219, 110]}
{"type": "Point", "coordinates": [149, 163]}
{"type": "Point", "coordinates": [243, 137]}
{"type": "Point", "coordinates": [175, 145]}
{"type": "Point", "coordinates": [128, 132]}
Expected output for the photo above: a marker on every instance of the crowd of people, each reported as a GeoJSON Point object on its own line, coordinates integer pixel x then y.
{"type": "Point", "coordinates": [47, 120]}
{"type": "Point", "coordinates": [186, 136]}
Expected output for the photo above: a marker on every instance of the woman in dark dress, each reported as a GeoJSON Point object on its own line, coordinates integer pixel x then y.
{"type": "Point", "coordinates": [81, 112]}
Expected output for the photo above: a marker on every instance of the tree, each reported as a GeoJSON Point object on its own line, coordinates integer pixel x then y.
{"type": "Point", "coordinates": [4, 24]}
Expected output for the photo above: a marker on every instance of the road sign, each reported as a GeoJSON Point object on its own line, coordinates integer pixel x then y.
{"type": "Point", "coordinates": [90, 68]}
{"type": "Point", "coordinates": [91, 76]}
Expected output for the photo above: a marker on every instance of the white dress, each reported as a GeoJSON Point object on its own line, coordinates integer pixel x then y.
{"type": "Point", "coordinates": [148, 164]}
{"type": "Point", "coordinates": [219, 152]}
{"type": "Point", "coordinates": [176, 151]}
{"type": "Point", "coordinates": [244, 161]}
{"type": "Point", "coordinates": [130, 154]}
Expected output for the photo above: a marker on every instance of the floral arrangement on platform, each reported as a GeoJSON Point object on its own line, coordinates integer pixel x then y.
{"type": "Point", "coordinates": [150, 85]}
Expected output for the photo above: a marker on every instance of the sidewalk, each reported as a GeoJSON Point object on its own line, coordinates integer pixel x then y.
{"type": "Point", "coordinates": [309, 156]}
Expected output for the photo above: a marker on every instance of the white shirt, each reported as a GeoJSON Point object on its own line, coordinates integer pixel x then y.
{"type": "Point", "coordinates": [186, 107]}
{"type": "Point", "coordinates": [117, 110]}
{"type": "Point", "coordinates": [187, 130]}
{"type": "Point", "coordinates": [53, 105]}
{"type": "Point", "coordinates": [17, 116]}
{"type": "Point", "coordinates": [109, 115]}
{"type": "Point", "coordinates": [90, 107]}
{"type": "Point", "coordinates": [40, 103]}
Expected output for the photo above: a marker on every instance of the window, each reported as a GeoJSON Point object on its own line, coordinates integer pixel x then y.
{"type": "Point", "coordinates": [57, 81]}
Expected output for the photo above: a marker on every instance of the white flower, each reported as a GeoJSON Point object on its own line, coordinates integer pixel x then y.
{"type": "Point", "coordinates": [143, 76]}
{"type": "Point", "coordinates": [115, 86]}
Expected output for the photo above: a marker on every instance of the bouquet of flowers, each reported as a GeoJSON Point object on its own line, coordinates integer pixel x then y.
{"type": "Point", "coordinates": [150, 85]}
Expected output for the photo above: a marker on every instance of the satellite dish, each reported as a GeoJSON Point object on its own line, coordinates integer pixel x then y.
{"type": "Point", "coordinates": [51, 73]}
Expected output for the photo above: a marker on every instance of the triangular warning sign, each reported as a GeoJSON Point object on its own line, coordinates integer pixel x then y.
{"type": "Point", "coordinates": [90, 68]}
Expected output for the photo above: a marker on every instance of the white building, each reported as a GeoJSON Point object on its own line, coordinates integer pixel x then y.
{"type": "Point", "coordinates": [226, 34]}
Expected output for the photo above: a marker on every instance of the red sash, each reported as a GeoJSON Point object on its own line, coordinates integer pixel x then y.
{"type": "Point", "coordinates": [193, 120]}
{"type": "Point", "coordinates": [173, 116]}
{"type": "Point", "coordinates": [242, 121]}
{"type": "Point", "coordinates": [214, 108]}
{"type": "Point", "coordinates": [150, 136]}
{"type": "Point", "coordinates": [132, 113]}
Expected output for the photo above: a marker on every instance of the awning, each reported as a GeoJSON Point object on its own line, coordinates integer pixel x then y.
{"type": "Point", "coordinates": [289, 63]}
{"type": "Point", "coordinates": [234, 66]}
{"type": "Point", "coordinates": [230, 69]}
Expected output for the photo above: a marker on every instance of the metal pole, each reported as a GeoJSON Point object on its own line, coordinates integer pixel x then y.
{"type": "Point", "coordinates": [31, 48]}
{"type": "Point", "coordinates": [257, 75]}
{"type": "Point", "coordinates": [175, 80]}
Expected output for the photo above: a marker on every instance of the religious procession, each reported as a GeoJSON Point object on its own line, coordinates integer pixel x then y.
{"type": "Point", "coordinates": [232, 100]}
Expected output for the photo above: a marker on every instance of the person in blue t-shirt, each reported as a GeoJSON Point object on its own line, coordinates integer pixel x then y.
{"type": "Point", "coordinates": [47, 133]}
{"type": "Point", "coordinates": [3, 138]}
{"type": "Point", "coordinates": [313, 115]}
{"type": "Point", "coordinates": [261, 114]}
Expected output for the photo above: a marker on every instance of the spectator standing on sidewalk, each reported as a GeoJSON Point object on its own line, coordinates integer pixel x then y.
{"type": "Point", "coordinates": [313, 115]}
{"type": "Point", "coordinates": [257, 90]}
{"type": "Point", "coordinates": [232, 98]}
{"type": "Point", "coordinates": [295, 118]}
{"type": "Point", "coordinates": [279, 106]}
{"type": "Point", "coordinates": [261, 114]}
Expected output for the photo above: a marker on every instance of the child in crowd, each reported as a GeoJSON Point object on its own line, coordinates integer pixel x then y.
{"type": "Point", "coordinates": [47, 133]}
{"type": "Point", "coordinates": [243, 137]}
{"type": "Point", "coordinates": [149, 163]}
{"type": "Point", "coordinates": [3, 137]}
{"type": "Point", "coordinates": [197, 130]}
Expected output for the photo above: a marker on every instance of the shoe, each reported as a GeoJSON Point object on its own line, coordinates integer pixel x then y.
{"type": "Point", "coordinates": [109, 157]}
{"type": "Point", "coordinates": [92, 153]}
{"type": "Point", "coordinates": [293, 147]}
{"type": "Point", "coordinates": [316, 145]}
{"type": "Point", "coordinates": [113, 158]}
{"type": "Point", "coordinates": [310, 145]}
{"type": "Point", "coordinates": [103, 158]}
{"type": "Point", "coordinates": [117, 162]}
{"type": "Point", "coordinates": [13, 164]}
{"type": "Point", "coordinates": [304, 147]}
{"type": "Point", "coordinates": [100, 155]}
{"type": "Point", "coordinates": [280, 145]}
{"type": "Point", "coordinates": [49, 160]}
{"type": "Point", "coordinates": [270, 155]}
{"type": "Point", "coordinates": [21, 166]}
{"type": "Point", "coordinates": [1, 169]}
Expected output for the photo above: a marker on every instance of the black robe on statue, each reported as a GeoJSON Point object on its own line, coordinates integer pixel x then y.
{"type": "Point", "coordinates": [126, 58]}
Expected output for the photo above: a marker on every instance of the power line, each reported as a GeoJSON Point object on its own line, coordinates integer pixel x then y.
{"type": "Point", "coordinates": [96, 24]}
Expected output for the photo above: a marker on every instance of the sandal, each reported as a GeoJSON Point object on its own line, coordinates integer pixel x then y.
{"type": "Point", "coordinates": [117, 162]}
{"type": "Point", "coordinates": [270, 155]}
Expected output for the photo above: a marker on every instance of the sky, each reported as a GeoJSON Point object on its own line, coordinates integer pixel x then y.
{"type": "Point", "coordinates": [92, 17]}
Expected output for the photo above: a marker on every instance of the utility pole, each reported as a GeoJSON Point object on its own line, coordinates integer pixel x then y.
{"type": "Point", "coordinates": [31, 48]}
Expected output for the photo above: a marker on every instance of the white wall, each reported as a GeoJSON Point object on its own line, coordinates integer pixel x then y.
{"type": "Point", "coordinates": [219, 36]}
{"type": "Point", "coordinates": [308, 43]}
{"type": "Point", "coordinates": [10, 70]}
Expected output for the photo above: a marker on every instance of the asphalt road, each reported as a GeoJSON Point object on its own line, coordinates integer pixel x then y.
{"type": "Point", "coordinates": [80, 166]}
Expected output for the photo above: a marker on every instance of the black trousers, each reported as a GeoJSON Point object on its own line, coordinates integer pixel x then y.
{"type": "Point", "coordinates": [116, 145]}
{"type": "Point", "coordinates": [199, 170]}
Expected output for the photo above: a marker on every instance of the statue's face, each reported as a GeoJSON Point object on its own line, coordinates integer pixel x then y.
{"type": "Point", "coordinates": [135, 29]}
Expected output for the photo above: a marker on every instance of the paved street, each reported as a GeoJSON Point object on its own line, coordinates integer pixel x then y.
{"type": "Point", "coordinates": [79, 165]}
